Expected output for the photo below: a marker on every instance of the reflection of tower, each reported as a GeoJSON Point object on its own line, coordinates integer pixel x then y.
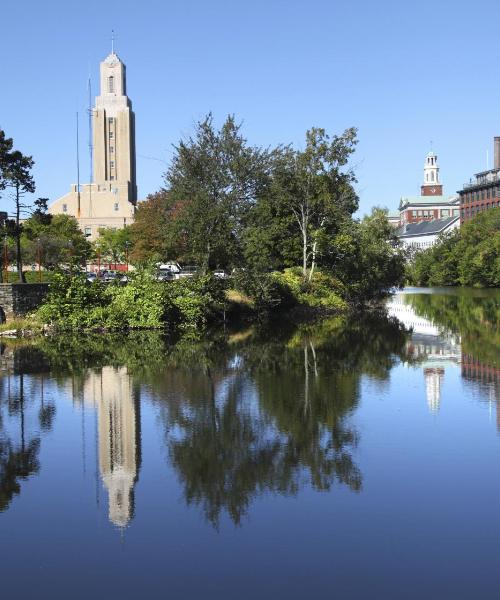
{"type": "Point", "coordinates": [433, 381]}
{"type": "Point", "coordinates": [118, 410]}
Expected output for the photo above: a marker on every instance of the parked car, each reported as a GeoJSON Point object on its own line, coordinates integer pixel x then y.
{"type": "Point", "coordinates": [91, 277]}
{"type": "Point", "coordinates": [165, 275]}
{"type": "Point", "coordinates": [220, 274]}
{"type": "Point", "coordinates": [173, 267]}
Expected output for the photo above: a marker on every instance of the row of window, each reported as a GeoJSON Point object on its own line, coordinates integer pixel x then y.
{"type": "Point", "coordinates": [421, 244]}
{"type": "Point", "coordinates": [116, 207]}
{"type": "Point", "coordinates": [474, 210]}
{"type": "Point", "coordinates": [445, 212]}
{"type": "Point", "coordinates": [491, 192]}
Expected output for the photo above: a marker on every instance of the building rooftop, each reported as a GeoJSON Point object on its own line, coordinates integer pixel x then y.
{"type": "Point", "coordinates": [426, 227]}
{"type": "Point", "coordinates": [428, 200]}
{"type": "Point", "coordinates": [393, 214]}
{"type": "Point", "coordinates": [484, 178]}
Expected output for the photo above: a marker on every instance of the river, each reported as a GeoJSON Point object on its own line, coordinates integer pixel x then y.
{"type": "Point", "coordinates": [336, 460]}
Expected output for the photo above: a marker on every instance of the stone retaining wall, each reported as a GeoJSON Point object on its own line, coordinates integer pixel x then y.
{"type": "Point", "coordinates": [18, 299]}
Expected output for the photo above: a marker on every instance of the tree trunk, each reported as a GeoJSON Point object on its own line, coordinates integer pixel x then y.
{"type": "Point", "coordinates": [303, 227]}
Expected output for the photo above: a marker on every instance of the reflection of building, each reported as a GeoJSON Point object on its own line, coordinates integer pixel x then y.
{"type": "Point", "coordinates": [433, 381]}
{"type": "Point", "coordinates": [111, 391]}
{"type": "Point", "coordinates": [487, 375]}
{"type": "Point", "coordinates": [436, 350]}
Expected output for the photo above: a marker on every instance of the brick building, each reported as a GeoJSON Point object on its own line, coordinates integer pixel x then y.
{"type": "Point", "coordinates": [482, 192]}
{"type": "Point", "coordinates": [431, 204]}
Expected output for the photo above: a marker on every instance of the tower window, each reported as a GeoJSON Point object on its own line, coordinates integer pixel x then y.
{"type": "Point", "coordinates": [111, 84]}
{"type": "Point", "coordinates": [111, 149]}
{"type": "Point", "coordinates": [111, 134]}
{"type": "Point", "coordinates": [117, 206]}
{"type": "Point", "coordinates": [110, 120]}
{"type": "Point", "coordinates": [112, 178]}
{"type": "Point", "coordinates": [65, 207]}
{"type": "Point", "coordinates": [112, 164]}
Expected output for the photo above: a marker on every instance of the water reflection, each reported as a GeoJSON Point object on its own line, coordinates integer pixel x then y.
{"type": "Point", "coordinates": [453, 328]}
{"type": "Point", "coordinates": [242, 415]}
{"type": "Point", "coordinates": [110, 392]}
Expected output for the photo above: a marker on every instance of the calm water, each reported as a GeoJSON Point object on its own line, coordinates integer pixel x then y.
{"type": "Point", "coordinates": [358, 461]}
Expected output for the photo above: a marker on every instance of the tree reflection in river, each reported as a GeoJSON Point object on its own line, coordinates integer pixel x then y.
{"type": "Point", "coordinates": [260, 416]}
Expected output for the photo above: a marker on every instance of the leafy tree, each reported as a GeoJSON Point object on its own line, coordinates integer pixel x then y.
{"type": "Point", "coordinates": [315, 188]}
{"type": "Point", "coordinates": [152, 234]}
{"type": "Point", "coordinates": [368, 257]}
{"type": "Point", "coordinates": [467, 256]}
{"type": "Point", "coordinates": [114, 244]}
{"type": "Point", "coordinates": [215, 177]}
{"type": "Point", "coordinates": [56, 239]}
{"type": "Point", "coordinates": [16, 172]}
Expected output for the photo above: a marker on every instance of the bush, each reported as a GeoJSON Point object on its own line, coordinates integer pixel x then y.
{"type": "Point", "coordinates": [323, 291]}
{"type": "Point", "coordinates": [73, 303]}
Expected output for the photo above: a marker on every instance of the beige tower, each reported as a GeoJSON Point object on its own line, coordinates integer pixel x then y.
{"type": "Point", "coordinates": [108, 201]}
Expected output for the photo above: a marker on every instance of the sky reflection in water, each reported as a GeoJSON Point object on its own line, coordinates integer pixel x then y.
{"type": "Point", "coordinates": [358, 459]}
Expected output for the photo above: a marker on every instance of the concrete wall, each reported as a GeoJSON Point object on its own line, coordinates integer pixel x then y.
{"type": "Point", "coordinates": [18, 299]}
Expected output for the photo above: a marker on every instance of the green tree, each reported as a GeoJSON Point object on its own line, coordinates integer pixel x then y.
{"type": "Point", "coordinates": [16, 172]}
{"type": "Point", "coordinates": [153, 236]}
{"type": "Point", "coordinates": [114, 244]}
{"type": "Point", "coordinates": [315, 187]}
{"type": "Point", "coordinates": [56, 240]}
{"type": "Point", "coordinates": [215, 177]}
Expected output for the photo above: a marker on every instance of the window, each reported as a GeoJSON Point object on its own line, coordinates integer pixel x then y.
{"type": "Point", "coordinates": [445, 213]}
{"type": "Point", "coordinates": [111, 149]}
{"type": "Point", "coordinates": [456, 212]}
{"type": "Point", "coordinates": [111, 135]}
{"type": "Point", "coordinates": [112, 178]}
{"type": "Point", "coordinates": [65, 208]}
{"type": "Point", "coordinates": [414, 213]}
{"type": "Point", "coordinates": [110, 120]}
{"type": "Point", "coordinates": [116, 206]}
{"type": "Point", "coordinates": [112, 164]}
{"type": "Point", "coordinates": [88, 231]}
{"type": "Point", "coordinates": [111, 84]}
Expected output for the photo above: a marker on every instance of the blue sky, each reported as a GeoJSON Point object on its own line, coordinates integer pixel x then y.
{"type": "Point", "coordinates": [403, 72]}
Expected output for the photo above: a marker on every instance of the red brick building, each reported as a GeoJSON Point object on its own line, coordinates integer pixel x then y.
{"type": "Point", "coordinates": [431, 204]}
{"type": "Point", "coordinates": [482, 192]}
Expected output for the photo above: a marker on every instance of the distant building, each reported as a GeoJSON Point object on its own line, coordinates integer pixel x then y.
{"type": "Point", "coordinates": [482, 192]}
{"type": "Point", "coordinates": [431, 204]}
{"type": "Point", "coordinates": [426, 233]}
{"type": "Point", "coordinates": [3, 217]}
{"type": "Point", "coordinates": [110, 199]}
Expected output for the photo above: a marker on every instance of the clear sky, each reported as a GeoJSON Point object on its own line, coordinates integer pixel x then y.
{"type": "Point", "coordinates": [403, 72]}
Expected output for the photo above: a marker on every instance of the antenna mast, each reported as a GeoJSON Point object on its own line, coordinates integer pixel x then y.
{"type": "Point", "coordinates": [77, 167]}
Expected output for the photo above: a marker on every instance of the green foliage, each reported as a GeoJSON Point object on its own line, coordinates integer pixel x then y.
{"type": "Point", "coordinates": [113, 244]}
{"type": "Point", "coordinates": [321, 291]}
{"type": "Point", "coordinates": [214, 179]}
{"type": "Point", "coordinates": [74, 303]}
{"type": "Point", "coordinates": [266, 292]}
{"type": "Point", "coordinates": [469, 256]}
{"type": "Point", "coordinates": [194, 302]}
{"type": "Point", "coordinates": [56, 239]}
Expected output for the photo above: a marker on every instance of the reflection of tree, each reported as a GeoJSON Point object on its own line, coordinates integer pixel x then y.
{"type": "Point", "coordinates": [271, 416]}
{"type": "Point", "coordinates": [475, 316]}
{"type": "Point", "coordinates": [17, 460]}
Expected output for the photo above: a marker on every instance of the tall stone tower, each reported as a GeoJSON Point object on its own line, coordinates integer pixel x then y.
{"type": "Point", "coordinates": [431, 185]}
{"type": "Point", "coordinates": [114, 130]}
{"type": "Point", "coordinates": [109, 200]}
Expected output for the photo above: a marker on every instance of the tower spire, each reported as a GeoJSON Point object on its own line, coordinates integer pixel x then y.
{"type": "Point", "coordinates": [112, 41]}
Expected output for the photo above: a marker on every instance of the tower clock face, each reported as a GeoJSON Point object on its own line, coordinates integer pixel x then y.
{"type": "Point", "coordinates": [433, 190]}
